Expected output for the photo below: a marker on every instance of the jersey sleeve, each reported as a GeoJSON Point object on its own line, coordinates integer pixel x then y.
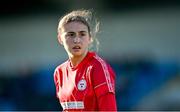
{"type": "Point", "coordinates": [57, 81]}
{"type": "Point", "coordinates": [103, 79]}
{"type": "Point", "coordinates": [104, 86]}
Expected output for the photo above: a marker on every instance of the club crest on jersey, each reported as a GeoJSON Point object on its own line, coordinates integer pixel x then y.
{"type": "Point", "coordinates": [82, 85]}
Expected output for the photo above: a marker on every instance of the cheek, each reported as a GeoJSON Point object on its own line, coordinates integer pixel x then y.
{"type": "Point", "coordinates": [68, 42]}
{"type": "Point", "coordinates": [87, 43]}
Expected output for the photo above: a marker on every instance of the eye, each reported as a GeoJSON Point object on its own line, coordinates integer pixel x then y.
{"type": "Point", "coordinates": [83, 34]}
{"type": "Point", "coordinates": [70, 35]}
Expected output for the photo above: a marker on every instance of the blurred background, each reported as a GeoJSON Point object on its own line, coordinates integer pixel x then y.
{"type": "Point", "coordinates": [140, 39]}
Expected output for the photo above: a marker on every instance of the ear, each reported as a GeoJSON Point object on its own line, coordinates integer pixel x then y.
{"type": "Point", "coordinates": [59, 39]}
{"type": "Point", "coordinates": [90, 40]}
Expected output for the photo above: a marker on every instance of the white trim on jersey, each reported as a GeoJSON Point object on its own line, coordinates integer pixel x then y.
{"type": "Point", "coordinates": [99, 85]}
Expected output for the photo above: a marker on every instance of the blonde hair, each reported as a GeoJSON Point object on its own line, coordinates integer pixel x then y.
{"type": "Point", "coordinates": [87, 18]}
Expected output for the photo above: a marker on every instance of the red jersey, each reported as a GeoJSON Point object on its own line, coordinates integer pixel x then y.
{"type": "Point", "coordinates": [89, 86]}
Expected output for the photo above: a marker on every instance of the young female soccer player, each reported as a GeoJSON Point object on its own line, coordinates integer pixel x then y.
{"type": "Point", "coordinates": [85, 82]}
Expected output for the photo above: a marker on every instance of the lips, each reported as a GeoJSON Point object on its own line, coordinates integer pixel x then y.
{"type": "Point", "coordinates": [76, 47]}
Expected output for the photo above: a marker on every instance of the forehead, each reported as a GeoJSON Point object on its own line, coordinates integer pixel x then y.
{"type": "Point", "coordinates": [74, 27]}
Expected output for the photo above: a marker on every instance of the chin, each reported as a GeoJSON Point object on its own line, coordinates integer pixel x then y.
{"type": "Point", "coordinates": [77, 54]}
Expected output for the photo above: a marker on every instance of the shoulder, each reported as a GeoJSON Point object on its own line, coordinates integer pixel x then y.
{"type": "Point", "coordinates": [99, 62]}
{"type": "Point", "coordinates": [102, 66]}
{"type": "Point", "coordinates": [63, 65]}
{"type": "Point", "coordinates": [60, 68]}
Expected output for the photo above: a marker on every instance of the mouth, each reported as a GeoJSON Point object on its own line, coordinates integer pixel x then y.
{"type": "Point", "coordinates": [76, 48]}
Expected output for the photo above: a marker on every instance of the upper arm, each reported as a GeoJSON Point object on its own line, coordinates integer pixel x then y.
{"type": "Point", "coordinates": [57, 80]}
{"type": "Point", "coordinates": [103, 79]}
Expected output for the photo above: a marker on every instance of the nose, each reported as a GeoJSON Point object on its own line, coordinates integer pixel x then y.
{"type": "Point", "coordinates": [76, 39]}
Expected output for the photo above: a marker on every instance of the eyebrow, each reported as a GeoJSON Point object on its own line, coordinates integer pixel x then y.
{"type": "Point", "coordinates": [79, 31]}
{"type": "Point", "coordinates": [83, 31]}
{"type": "Point", "coordinates": [70, 32]}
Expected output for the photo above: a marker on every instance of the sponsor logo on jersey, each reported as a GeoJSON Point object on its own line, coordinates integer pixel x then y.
{"type": "Point", "coordinates": [73, 105]}
{"type": "Point", "coordinates": [82, 85]}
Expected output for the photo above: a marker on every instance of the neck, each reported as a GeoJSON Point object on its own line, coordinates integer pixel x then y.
{"type": "Point", "coordinates": [75, 60]}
